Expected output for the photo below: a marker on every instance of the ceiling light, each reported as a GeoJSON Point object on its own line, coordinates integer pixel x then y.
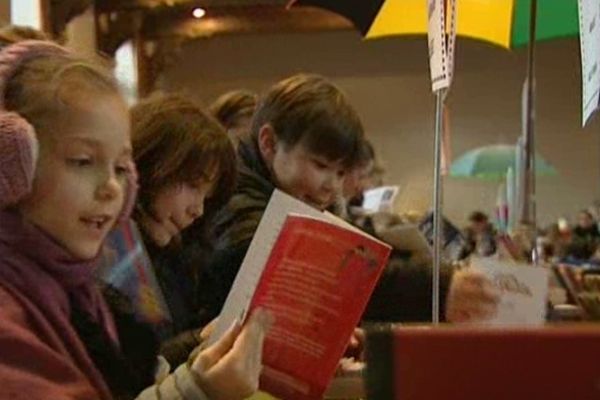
{"type": "Point", "coordinates": [199, 12]}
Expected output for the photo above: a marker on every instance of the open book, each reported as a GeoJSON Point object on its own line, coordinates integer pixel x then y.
{"type": "Point", "coordinates": [453, 241]}
{"type": "Point", "coordinates": [315, 273]}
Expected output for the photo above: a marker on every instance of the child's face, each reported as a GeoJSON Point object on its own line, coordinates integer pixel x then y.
{"type": "Point", "coordinates": [79, 187]}
{"type": "Point", "coordinates": [357, 180]}
{"type": "Point", "coordinates": [307, 176]}
{"type": "Point", "coordinates": [584, 220]}
{"type": "Point", "coordinates": [177, 207]}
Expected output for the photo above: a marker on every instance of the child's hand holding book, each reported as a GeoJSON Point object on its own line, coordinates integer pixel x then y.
{"type": "Point", "coordinates": [230, 368]}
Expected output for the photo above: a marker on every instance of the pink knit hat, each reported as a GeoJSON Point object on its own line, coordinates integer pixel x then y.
{"type": "Point", "coordinates": [18, 156]}
{"type": "Point", "coordinates": [18, 142]}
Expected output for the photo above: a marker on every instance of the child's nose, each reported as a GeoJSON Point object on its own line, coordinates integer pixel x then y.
{"type": "Point", "coordinates": [109, 189]}
{"type": "Point", "coordinates": [196, 211]}
{"type": "Point", "coordinates": [334, 183]}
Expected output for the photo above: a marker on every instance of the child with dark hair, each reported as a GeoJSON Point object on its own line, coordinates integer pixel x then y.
{"type": "Point", "coordinates": [585, 237]}
{"type": "Point", "coordinates": [234, 111]}
{"type": "Point", "coordinates": [480, 235]}
{"type": "Point", "coordinates": [186, 169]}
{"type": "Point", "coordinates": [305, 140]}
{"type": "Point", "coordinates": [183, 159]}
{"type": "Point", "coordinates": [304, 137]}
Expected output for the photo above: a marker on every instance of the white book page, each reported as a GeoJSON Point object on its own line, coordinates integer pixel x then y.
{"type": "Point", "coordinates": [407, 237]}
{"type": "Point", "coordinates": [246, 281]}
{"type": "Point", "coordinates": [523, 288]}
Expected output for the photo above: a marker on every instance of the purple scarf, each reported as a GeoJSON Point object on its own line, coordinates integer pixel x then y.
{"type": "Point", "coordinates": [42, 275]}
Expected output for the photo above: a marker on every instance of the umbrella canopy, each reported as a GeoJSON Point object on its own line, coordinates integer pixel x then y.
{"type": "Point", "coordinates": [501, 22]}
{"type": "Point", "coordinates": [493, 162]}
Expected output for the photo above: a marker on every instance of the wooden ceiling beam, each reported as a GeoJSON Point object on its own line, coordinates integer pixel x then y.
{"type": "Point", "coordinates": [240, 20]}
{"type": "Point", "coordinates": [58, 13]}
{"type": "Point", "coordinates": [148, 5]}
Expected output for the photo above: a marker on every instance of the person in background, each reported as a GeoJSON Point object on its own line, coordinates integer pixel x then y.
{"type": "Point", "coordinates": [234, 111]}
{"type": "Point", "coordinates": [350, 197]}
{"type": "Point", "coordinates": [66, 178]}
{"type": "Point", "coordinates": [357, 180]}
{"type": "Point", "coordinates": [586, 227]}
{"type": "Point", "coordinates": [480, 235]}
{"type": "Point", "coordinates": [585, 237]}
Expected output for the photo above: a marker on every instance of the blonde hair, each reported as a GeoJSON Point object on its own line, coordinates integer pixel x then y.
{"type": "Point", "coordinates": [45, 86]}
{"type": "Point", "coordinates": [11, 34]}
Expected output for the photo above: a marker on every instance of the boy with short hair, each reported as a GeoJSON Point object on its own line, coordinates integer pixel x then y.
{"type": "Point", "coordinates": [305, 138]}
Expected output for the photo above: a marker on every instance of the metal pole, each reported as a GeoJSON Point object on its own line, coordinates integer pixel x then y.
{"type": "Point", "coordinates": [437, 207]}
{"type": "Point", "coordinates": [529, 140]}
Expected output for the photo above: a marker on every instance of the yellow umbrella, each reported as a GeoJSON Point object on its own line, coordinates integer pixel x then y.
{"type": "Point", "coordinates": [501, 22]}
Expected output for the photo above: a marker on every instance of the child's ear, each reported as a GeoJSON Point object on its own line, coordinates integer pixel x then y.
{"type": "Point", "coordinates": [267, 143]}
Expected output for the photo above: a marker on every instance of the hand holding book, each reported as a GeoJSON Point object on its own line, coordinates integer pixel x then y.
{"type": "Point", "coordinates": [230, 368]}
{"type": "Point", "coordinates": [315, 273]}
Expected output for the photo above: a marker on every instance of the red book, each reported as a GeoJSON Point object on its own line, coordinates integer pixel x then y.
{"type": "Point", "coordinates": [315, 273]}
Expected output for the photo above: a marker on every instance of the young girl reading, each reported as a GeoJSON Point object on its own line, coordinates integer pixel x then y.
{"type": "Point", "coordinates": [66, 178]}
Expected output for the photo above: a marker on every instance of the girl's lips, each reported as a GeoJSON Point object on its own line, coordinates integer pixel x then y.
{"type": "Point", "coordinates": [97, 224]}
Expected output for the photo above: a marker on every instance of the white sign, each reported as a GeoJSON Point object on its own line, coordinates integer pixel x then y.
{"type": "Point", "coordinates": [523, 290]}
{"type": "Point", "coordinates": [589, 36]}
{"type": "Point", "coordinates": [380, 199]}
{"type": "Point", "coordinates": [441, 44]}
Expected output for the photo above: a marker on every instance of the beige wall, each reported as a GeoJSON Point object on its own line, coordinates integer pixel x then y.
{"type": "Point", "coordinates": [4, 12]}
{"type": "Point", "coordinates": [81, 34]}
{"type": "Point", "coordinates": [387, 80]}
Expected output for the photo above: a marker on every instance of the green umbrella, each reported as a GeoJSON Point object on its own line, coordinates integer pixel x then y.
{"type": "Point", "coordinates": [493, 162]}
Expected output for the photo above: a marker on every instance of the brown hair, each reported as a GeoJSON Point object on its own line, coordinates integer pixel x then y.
{"type": "Point", "coordinates": [310, 110]}
{"type": "Point", "coordinates": [365, 154]}
{"type": "Point", "coordinates": [232, 107]}
{"type": "Point", "coordinates": [42, 88]}
{"type": "Point", "coordinates": [11, 34]}
{"type": "Point", "coordinates": [175, 142]}
{"type": "Point", "coordinates": [478, 217]}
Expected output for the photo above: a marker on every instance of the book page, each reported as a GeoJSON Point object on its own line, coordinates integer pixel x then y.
{"type": "Point", "coordinates": [523, 288]}
{"type": "Point", "coordinates": [238, 300]}
{"type": "Point", "coordinates": [407, 237]}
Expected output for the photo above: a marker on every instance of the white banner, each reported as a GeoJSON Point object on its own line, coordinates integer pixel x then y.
{"type": "Point", "coordinates": [589, 37]}
{"type": "Point", "coordinates": [441, 44]}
